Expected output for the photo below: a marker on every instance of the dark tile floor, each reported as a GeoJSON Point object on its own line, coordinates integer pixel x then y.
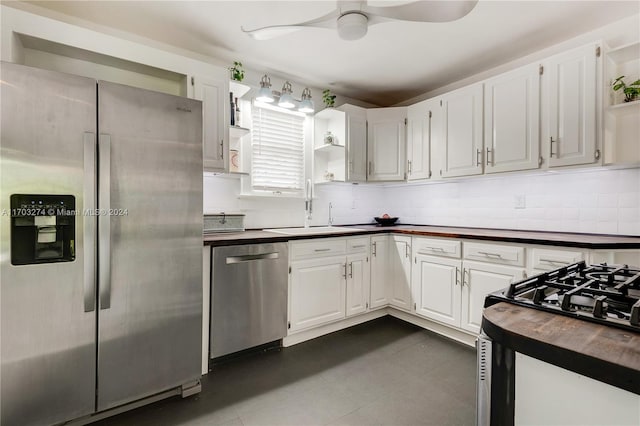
{"type": "Point", "coordinates": [384, 372]}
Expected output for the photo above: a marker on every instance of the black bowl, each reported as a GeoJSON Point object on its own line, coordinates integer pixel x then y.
{"type": "Point", "coordinates": [386, 221]}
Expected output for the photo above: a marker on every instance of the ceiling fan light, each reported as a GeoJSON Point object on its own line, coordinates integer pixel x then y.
{"type": "Point", "coordinates": [352, 26]}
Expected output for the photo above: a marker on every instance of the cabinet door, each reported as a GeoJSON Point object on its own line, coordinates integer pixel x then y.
{"type": "Point", "coordinates": [511, 120]}
{"type": "Point", "coordinates": [317, 292]}
{"type": "Point", "coordinates": [419, 118]}
{"type": "Point", "coordinates": [356, 148]}
{"type": "Point", "coordinates": [478, 280]}
{"type": "Point", "coordinates": [400, 272]}
{"type": "Point", "coordinates": [379, 271]}
{"type": "Point", "coordinates": [214, 93]}
{"type": "Point", "coordinates": [462, 137]}
{"type": "Point", "coordinates": [436, 288]}
{"type": "Point", "coordinates": [357, 283]}
{"type": "Point", "coordinates": [386, 143]}
{"type": "Point", "coordinates": [572, 107]}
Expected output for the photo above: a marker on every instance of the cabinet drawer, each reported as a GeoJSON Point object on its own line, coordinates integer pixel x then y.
{"type": "Point", "coordinates": [358, 245]}
{"type": "Point", "coordinates": [494, 253]}
{"type": "Point", "coordinates": [547, 259]}
{"type": "Point", "coordinates": [317, 248]}
{"type": "Point", "coordinates": [435, 247]}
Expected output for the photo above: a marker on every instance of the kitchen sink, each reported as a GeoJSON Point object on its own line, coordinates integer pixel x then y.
{"type": "Point", "coordinates": [313, 230]}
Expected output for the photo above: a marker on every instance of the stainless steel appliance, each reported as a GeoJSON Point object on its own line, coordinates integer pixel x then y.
{"type": "Point", "coordinates": [249, 296]}
{"type": "Point", "coordinates": [604, 294]}
{"type": "Point", "coordinates": [101, 300]}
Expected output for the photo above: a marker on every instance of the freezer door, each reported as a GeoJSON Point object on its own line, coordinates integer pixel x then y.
{"type": "Point", "coordinates": [150, 242]}
{"type": "Point", "coordinates": [47, 310]}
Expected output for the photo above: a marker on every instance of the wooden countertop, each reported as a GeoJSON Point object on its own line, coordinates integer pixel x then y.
{"type": "Point", "coordinates": [587, 241]}
{"type": "Point", "coordinates": [610, 355]}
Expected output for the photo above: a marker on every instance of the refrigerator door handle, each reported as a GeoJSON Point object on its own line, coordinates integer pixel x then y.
{"type": "Point", "coordinates": [89, 222]}
{"type": "Point", "coordinates": [104, 220]}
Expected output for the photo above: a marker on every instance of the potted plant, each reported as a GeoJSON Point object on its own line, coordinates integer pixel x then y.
{"type": "Point", "coordinates": [631, 91]}
{"type": "Point", "coordinates": [328, 99]}
{"type": "Point", "coordinates": [237, 73]}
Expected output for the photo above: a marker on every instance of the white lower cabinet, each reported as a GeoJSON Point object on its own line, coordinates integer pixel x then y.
{"type": "Point", "coordinates": [379, 271]}
{"type": "Point", "coordinates": [328, 281]}
{"type": "Point", "coordinates": [317, 293]}
{"type": "Point", "coordinates": [436, 288]}
{"type": "Point", "coordinates": [357, 283]}
{"type": "Point", "coordinates": [400, 272]}
{"type": "Point", "coordinates": [478, 280]}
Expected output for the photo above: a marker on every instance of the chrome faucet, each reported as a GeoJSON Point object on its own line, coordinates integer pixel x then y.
{"type": "Point", "coordinates": [330, 216]}
{"type": "Point", "coordinates": [308, 202]}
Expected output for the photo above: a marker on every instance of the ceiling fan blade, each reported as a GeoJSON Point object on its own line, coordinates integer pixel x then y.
{"type": "Point", "coordinates": [272, 31]}
{"type": "Point", "coordinates": [425, 11]}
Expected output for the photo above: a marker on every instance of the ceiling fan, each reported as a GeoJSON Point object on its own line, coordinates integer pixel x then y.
{"type": "Point", "coordinates": [352, 18]}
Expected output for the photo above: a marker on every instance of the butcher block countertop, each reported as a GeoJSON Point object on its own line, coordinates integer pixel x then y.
{"type": "Point", "coordinates": [587, 241]}
{"type": "Point", "coordinates": [608, 354]}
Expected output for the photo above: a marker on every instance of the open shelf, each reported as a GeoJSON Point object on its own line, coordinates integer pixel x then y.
{"type": "Point", "coordinates": [238, 132]}
{"type": "Point", "coordinates": [329, 148]}
{"type": "Point", "coordinates": [626, 53]}
{"type": "Point", "coordinates": [238, 89]}
{"type": "Point", "coordinates": [625, 108]}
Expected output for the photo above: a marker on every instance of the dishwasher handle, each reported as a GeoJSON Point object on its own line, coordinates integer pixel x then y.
{"type": "Point", "coordinates": [251, 257]}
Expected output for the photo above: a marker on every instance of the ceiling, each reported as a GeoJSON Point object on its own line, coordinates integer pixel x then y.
{"type": "Point", "coordinates": [394, 62]}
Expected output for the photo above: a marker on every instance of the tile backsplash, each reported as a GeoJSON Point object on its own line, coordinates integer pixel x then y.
{"type": "Point", "coordinates": [602, 201]}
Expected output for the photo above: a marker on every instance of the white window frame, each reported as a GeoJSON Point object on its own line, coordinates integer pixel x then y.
{"type": "Point", "coordinates": [246, 188]}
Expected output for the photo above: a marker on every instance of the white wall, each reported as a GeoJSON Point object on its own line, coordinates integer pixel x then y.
{"type": "Point", "coordinates": [595, 201]}
{"type": "Point", "coordinates": [591, 201]}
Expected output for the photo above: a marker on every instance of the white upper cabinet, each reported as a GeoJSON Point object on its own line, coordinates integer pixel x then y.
{"type": "Point", "coordinates": [356, 143]}
{"type": "Point", "coordinates": [512, 120]}
{"type": "Point", "coordinates": [213, 91]}
{"type": "Point", "coordinates": [462, 148]}
{"type": "Point", "coordinates": [386, 143]}
{"type": "Point", "coordinates": [572, 106]}
{"type": "Point", "coordinates": [419, 137]}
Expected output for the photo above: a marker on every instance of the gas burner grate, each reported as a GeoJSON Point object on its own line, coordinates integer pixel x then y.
{"type": "Point", "coordinates": [603, 293]}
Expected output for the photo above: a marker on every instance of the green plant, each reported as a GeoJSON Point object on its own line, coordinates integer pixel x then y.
{"type": "Point", "coordinates": [328, 99]}
{"type": "Point", "coordinates": [631, 91]}
{"type": "Point", "coordinates": [237, 73]}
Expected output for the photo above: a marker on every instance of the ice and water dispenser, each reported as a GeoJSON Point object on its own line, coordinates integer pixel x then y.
{"type": "Point", "coordinates": [42, 228]}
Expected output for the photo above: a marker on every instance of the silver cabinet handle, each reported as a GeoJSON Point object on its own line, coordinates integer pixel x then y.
{"type": "Point", "coordinates": [478, 157]}
{"type": "Point", "coordinates": [492, 153]}
{"type": "Point", "coordinates": [464, 276]}
{"type": "Point", "coordinates": [104, 221]}
{"type": "Point", "coordinates": [457, 275]}
{"type": "Point", "coordinates": [409, 166]}
{"type": "Point", "coordinates": [321, 250]}
{"type": "Point", "coordinates": [89, 222]}
{"type": "Point", "coordinates": [351, 270]}
{"type": "Point", "coordinates": [435, 249]}
{"type": "Point", "coordinates": [406, 250]}
{"type": "Point", "coordinates": [251, 257]}
{"type": "Point", "coordinates": [498, 255]}
{"type": "Point", "coordinates": [344, 274]}
{"type": "Point", "coordinates": [375, 251]}
{"type": "Point", "coordinates": [551, 142]}
{"type": "Point", "coordinates": [359, 246]}
{"type": "Point", "coordinates": [222, 149]}
{"type": "Point", "coordinates": [553, 261]}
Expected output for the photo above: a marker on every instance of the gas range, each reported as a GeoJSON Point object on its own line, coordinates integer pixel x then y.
{"type": "Point", "coordinates": [606, 294]}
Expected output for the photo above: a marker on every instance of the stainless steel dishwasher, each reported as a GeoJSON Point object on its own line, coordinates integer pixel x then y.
{"type": "Point", "coordinates": [248, 296]}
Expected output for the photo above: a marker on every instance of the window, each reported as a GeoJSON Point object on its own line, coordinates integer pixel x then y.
{"type": "Point", "coordinates": [277, 150]}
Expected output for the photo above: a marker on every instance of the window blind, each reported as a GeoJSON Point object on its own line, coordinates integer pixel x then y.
{"type": "Point", "coordinates": [277, 150]}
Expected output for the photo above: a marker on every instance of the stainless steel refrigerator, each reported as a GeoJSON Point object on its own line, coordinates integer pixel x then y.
{"type": "Point", "coordinates": [100, 245]}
